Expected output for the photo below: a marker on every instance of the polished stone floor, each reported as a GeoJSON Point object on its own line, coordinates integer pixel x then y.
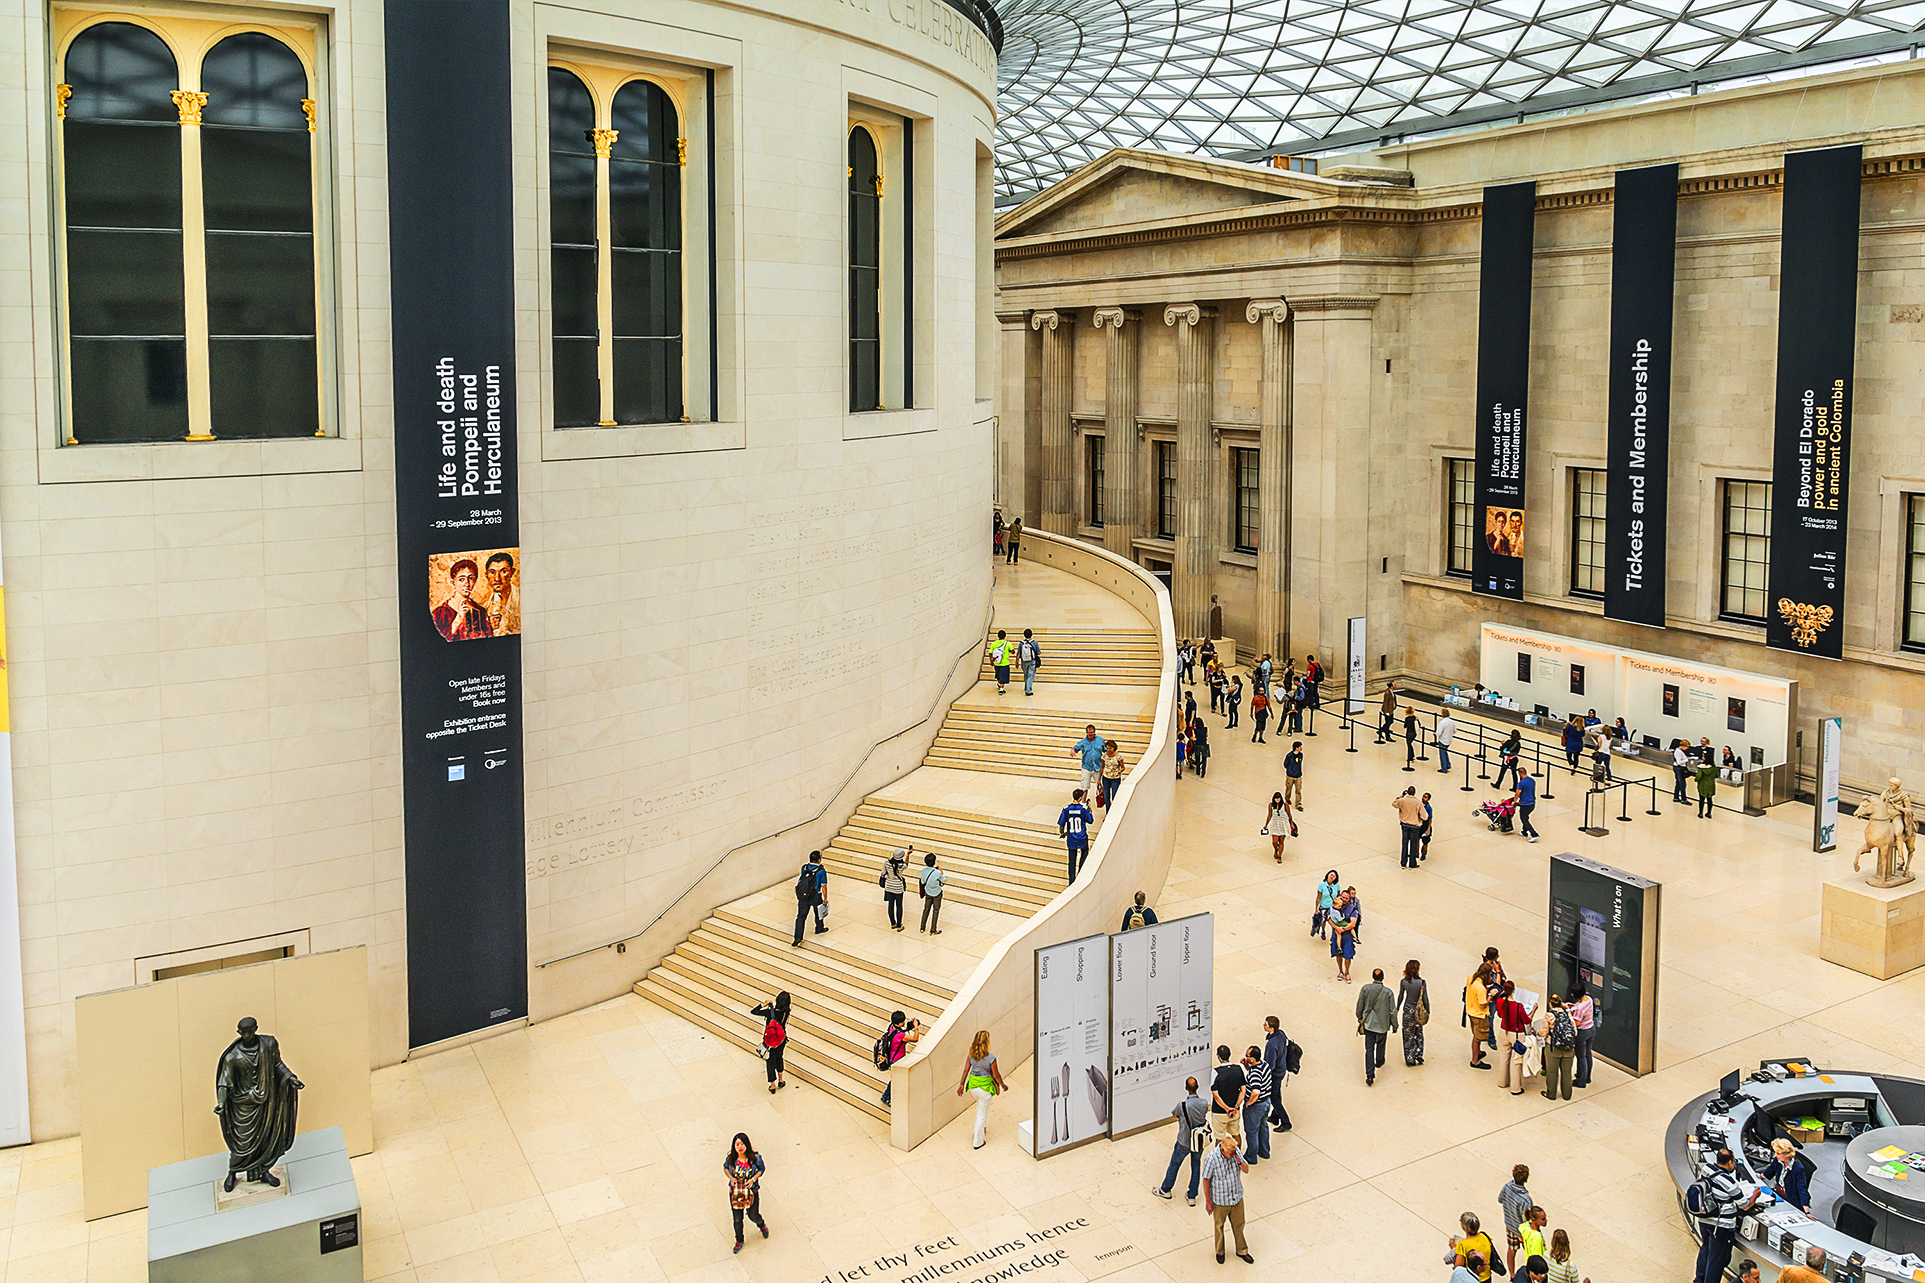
{"type": "Point", "coordinates": [587, 1148]}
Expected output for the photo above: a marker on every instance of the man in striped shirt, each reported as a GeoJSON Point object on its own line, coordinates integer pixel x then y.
{"type": "Point", "coordinates": [1256, 1104]}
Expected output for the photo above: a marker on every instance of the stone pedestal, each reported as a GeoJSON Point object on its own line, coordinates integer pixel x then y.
{"type": "Point", "coordinates": [1879, 931]}
{"type": "Point", "coordinates": [308, 1231]}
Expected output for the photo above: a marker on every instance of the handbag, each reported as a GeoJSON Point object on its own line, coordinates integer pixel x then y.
{"type": "Point", "coordinates": [1420, 1010]}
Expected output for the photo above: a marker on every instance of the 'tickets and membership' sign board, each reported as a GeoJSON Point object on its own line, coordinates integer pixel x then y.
{"type": "Point", "coordinates": [1503, 381]}
{"type": "Point", "coordinates": [1811, 459]}
{"type": "Point", "coordinates": [1644, 240]}
{"type": "Point", "coordinates": [458, 527]}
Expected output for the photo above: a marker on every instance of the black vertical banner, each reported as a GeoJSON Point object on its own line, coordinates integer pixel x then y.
{"type": "Point", "coordinates": [1503, 380]}
{"type": "Point", "coordinates": [450, 164]}
{"type": "Point", "coordinates": [1644, 250]}
{"type": "Point", "coordinates": [1811, 450]}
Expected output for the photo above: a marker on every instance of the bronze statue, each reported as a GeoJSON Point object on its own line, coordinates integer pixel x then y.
{"type": "Point", "coordinates": [1889, 822]}
{"type": "Point", "coordinates": [257, 1097]}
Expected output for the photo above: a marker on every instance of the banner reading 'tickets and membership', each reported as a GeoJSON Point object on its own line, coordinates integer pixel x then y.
{"type": "Point", "coordinates": [1811, 459]}
{"type": "Point", "coordinates": [451, 266]}
{"type": "Point", "coordinates": [1503, 380]}
{"type": "Point", "coordinates": [1644, 239]}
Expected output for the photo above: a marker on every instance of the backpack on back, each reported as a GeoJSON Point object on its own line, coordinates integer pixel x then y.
{"type": "Point", "coordinates": [1697, 1198]}
{"type": "Point", "coordinates": [1133, 920]}
{"type": "Point", "coordinates": [1563, 1030]}
{"type": "Point", "coordinates": [773, 1034]}
{"type": "Point", "coordinates": [1292, 1058]}
{"type": "Point", "coordinates": [806, 885]}
{"type": "Point", "coordinates": [883, 1053]}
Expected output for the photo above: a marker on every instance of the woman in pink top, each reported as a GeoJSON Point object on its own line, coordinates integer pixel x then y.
{"type": "Point", "coordinates": [1584, 1016]}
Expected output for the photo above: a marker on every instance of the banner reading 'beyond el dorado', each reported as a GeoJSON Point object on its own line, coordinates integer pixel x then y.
{"type": "Point", "coordinates": [1811, 460]}
{"type": "Point", "coordinates": [1644, 240]}
{"type": "Point", "coordinates": [1503, 379]}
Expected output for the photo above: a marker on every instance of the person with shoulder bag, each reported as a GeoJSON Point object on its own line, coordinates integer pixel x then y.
{"type": "Point", "coordinates": [745, 1169]}
{"type": "Point", "coordinates": [894, 885]}
{"type": "Point", "coordinates": [1560, 1049]}
{"type": "Point", "coordinates": [929, 885]}
{"type": "Point", "coordinates": [775, 1036]}
{"type": "Point", "coordinates": [1193, 1136]}
{"type": "Point", "coordinates": [1413, 1001]}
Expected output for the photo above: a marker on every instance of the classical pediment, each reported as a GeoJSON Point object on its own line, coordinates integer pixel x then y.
{"type": "Point", "coordinates": [1128, 187]}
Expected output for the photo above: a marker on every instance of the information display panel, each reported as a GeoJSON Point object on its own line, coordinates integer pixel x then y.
{"type": "Point", "coordinates": [1604, 932]}
{"type": "Point", "coordinates": [1161, 999]}
{"type": "Point", "coordinates": [1072, 1045]}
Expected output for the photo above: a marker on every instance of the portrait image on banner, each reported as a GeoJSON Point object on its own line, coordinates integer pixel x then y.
{"type": "Point", "coordinates": [1072, 1044]}
{"type": "Point", "coordinates": [451, 236]}
{"type": "Point", "coordinates": [1503, 384]}
{"type": "Point", "coordinates": [1644, 250]}
{"type": "Point", "coordinates": [1161, 1019]}
{"type": "Point", "coordinates": [1811, 448]}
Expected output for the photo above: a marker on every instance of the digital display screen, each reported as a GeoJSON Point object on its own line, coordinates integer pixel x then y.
{"type": "Point", "coordinates": [1597, 936]}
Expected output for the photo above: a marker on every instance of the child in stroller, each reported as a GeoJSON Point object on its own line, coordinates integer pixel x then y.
{"type": "Point", "coordinates": [1498, 813]}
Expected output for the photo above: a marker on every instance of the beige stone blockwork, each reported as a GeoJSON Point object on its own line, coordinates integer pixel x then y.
{"type": "Point", "coordinates": [1879, 931]}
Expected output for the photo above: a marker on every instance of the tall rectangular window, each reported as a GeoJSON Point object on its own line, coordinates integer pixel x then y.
{"type": "Point", "coordinates": [1587, 532]}
{"type": "Point", "coordinates": [1243, 468]}
{"type": "Point", "coordinates": [1747, 550]}
{"type": "Point", "coordinates": [615, 248]}
{"type": "Point", "coordinates": [1093, 472]}
{"type": "Point", "coordinates": [1461, 505]}
{"type": "Point", "coordinates": [1914, 638]}
{"type": "Point", "coordinates": [1166, 489]}
{"type": "Point", "coordinates": [188, 234]}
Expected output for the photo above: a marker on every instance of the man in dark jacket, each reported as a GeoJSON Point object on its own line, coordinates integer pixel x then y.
{"type": "Point", "coordinates": [1276, 1049]}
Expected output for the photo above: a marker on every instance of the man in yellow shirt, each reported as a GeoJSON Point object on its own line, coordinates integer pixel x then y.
{"type": "Point", "coordinates": [1477, 1004]}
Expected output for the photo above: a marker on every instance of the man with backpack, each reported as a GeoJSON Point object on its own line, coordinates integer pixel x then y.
{"type": "Point", "coordinates": [1073, 825]}
{"type": "Point", "coordinates": [1030, 656]}
{"type": "Point", "coordinates": [1276, 1054]}
{"type": "Point", "coordinates": [1560, 1049]}
{"type": "Point", "coordinates": [811, 896]}
{"type": "Point", "coordinates": [1139, 914]}
{"type": "Point", "coordinates": [895, 1042]}
{"type": "Point", "coordinates": [1192, 1115]}
{"type": "Point", "coordinates": [1716, 1199]}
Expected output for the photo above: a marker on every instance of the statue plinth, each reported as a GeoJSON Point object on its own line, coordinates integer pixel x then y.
{"type": "Point", "coordinates": [1876, 931]}
{"type": "Point", "coordinates": [248, 1193]}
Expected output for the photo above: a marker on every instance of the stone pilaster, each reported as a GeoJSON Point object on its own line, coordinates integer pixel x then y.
{"type": "Point", "coordinates": [1194, 573]}
{"type": "Point", "coordinates": [1059, 481]}
{"type": "Point", "coordinates": [1331, 557]}
{"type": "Point", "coordinates": [1118, 326]}
{"type": "Point", "coordinates": [1273, 474]}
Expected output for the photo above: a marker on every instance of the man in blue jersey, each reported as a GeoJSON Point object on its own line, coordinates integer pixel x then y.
{"type": "Point", "coordinates": [1074, 824]}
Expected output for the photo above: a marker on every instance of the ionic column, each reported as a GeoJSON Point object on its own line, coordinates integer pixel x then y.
{"type": "Point", "coordinates": [1273, 470]}
{"type": "Point", "coordinates": [1196, 516]}
{"type": "Point", "coordinates": [1119, 426]}
{"type": "Point", "coordinates": [1059, 482]}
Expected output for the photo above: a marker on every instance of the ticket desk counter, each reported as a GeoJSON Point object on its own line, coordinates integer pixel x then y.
{"type": "Point", "coordinates": [1865, 1136]}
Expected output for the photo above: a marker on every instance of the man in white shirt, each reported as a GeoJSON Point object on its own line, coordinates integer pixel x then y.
{"type": "Point", "coordinates": [1681, 770]}
{"type": "Point", "coordinates": [1446, 732]}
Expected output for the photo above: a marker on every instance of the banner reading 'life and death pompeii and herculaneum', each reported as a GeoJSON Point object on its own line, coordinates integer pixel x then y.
{"type": "Point", "coordinates": [450, 158]}
{"type": "Point", "coordinates": [1817, 315]}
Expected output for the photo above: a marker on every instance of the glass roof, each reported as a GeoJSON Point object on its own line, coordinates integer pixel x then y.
{"type": "Point", "coordinates": [1241, 77]}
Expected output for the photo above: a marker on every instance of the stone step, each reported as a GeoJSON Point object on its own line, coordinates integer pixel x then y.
{"type": "Point", "coordinates": [876, 846]}
{"type": "Point", "coordinates": [837, 1020]}
{"type": "Point", "coordinates": [821, 955]}
{"type": "Point", "coordinates": [1032, 874]}
{"type": "Point", "coordinates": [966, 885]}
{"type": "Point", "coordinates": [888, 811]}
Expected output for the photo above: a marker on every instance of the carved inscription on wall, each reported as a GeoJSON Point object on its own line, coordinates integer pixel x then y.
{"type": "Point", "coordinates": [615, 829]}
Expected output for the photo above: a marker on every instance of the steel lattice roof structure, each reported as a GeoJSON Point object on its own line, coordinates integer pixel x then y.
{"type": "Point", "coordinates": [1247, 78]}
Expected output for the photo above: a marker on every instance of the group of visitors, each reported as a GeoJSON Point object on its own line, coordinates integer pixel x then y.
{"type": "Point", "coordinates": [1224, 1136]}
{"type": "Point", "coordinates": [1005, 654]}
{"type": "Point", "coordinates": [1553, 1039]}
{"type": "Point", "coordinates": [930, 883]}
{"type": "Point", "coordinates": [1697, 763]}
{"type": "Point", "coordinates": [1530, 1256]}
{"type": "Point", "coordinates": [1008, 538]}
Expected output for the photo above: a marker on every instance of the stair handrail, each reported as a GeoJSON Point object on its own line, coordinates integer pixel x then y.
{"type": "Point", "coordinates": [975, 648]}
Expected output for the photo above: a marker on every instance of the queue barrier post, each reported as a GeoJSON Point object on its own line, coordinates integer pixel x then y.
{"type": "Point", "coordinates": [1422, 756]}
{"type": "Point", "coordinates": [1624, 801]}
{"type": "Point", "coordinates": [1350, 723]}
{"type": "Point", "coordinates": [1653, 782]}
{"type": "Point", "coordinates": [1483, 758]}
{"type": "Point", "coordinates": [1468, 786]}
{"type": "Point", "coordinates": [1544, 776]}
{"type": "Point", "coordinates": [1314, 702]}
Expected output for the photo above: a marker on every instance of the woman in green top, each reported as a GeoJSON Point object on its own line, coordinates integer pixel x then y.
{"type": "Point", "coordinates": [1707, 774]}
{"type": "Point", "coordinates": [982, 1080]}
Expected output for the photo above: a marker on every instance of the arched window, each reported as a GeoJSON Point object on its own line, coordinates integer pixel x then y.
{"type": "Point", "coordinates": [127, 365]}
{"type": "Point", "coordinates": [865, 273]}
{"type": "Point", "coordinates": [573, 255]}
{"type": "Point", "coordinates": [258, 197]}
{"type": "Point", "coordinates": [615, 251]}
{"type": "Point", "coordinates": [645, 239]}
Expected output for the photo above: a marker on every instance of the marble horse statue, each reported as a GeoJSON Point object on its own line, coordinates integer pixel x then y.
{"type": "Point", "coordinates": [1889, 824]}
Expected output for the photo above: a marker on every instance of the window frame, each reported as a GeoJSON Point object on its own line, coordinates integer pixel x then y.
{"type": "Point", "coordinates": [1588, 531]}
{"type": "Point", "coordinates": [1095, 469]}
{"type": "Point", "coordinates": [1726, 536]}
{"type": "Point", "coordinates": [1912, 574]}
{"type": "Point", "coordinates": [190, 35]}
{"type": "Point", "coordinates": [1240, 456]}
{"type": "Point", "coordinates": [1459, 472]}
{"type": "Point", "coordinates": [1163, 478]}
{"type": "Point", "coordinates": [899, 239]}
{"type": "Point", "coordinates": [690, 93]}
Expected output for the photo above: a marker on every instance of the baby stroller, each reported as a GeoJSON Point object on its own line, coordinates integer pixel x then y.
{"type": "Point", "coordinates": [1498, 814]}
